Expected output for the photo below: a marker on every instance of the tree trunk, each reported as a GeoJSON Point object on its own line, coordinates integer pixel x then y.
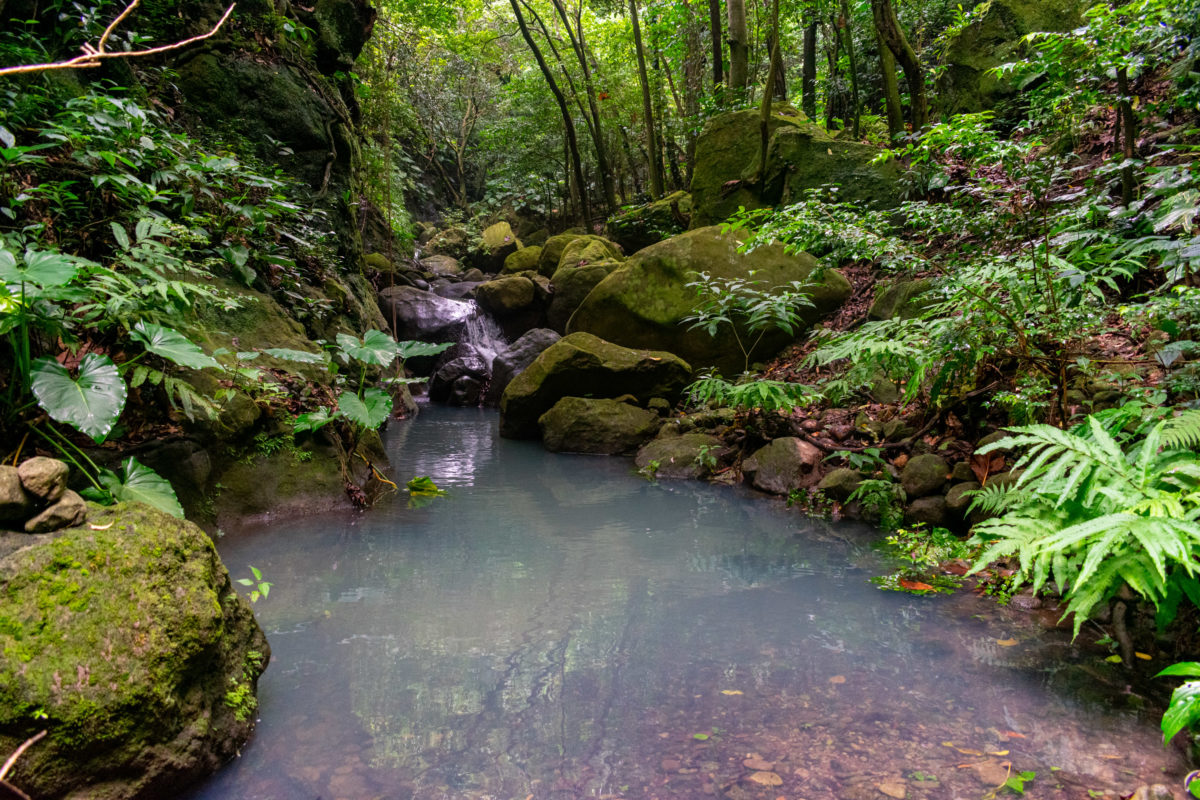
{"type": "Point", "coordinates": [891, 90]}
{"type": "Point", "coordinates": [656, 178]}
{"type": "Point", "coordinates": [714, 29]}
{"type": "Point", "coordinates": [893, 36]}
{"type": "Point", "coordinates": [764, 116]}
{"type": "Point", "coordinates": [1128, 126]}
{"type": "Point", "coordinates": [585, 214]}
{"type": "Point", "coordinates": [693, 83]}
{"type": "Point", "coordinates": [739, 46]}
{"type": "Point", "coordinates": [808, 80]}
{"type": "Point", "coordinates": [855, 107]}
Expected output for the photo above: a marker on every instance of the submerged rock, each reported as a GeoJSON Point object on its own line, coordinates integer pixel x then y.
{"type": "Point", "coordinates": [597, 425]}
{"type": "Point", "coordinates": [583, 364]}
{"type": "Point", "coordinates": [645, 301]}
{"type": "Point", "coordinates": [128, 643]}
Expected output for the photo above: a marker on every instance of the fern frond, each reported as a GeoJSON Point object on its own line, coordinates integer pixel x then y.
{"type": "Point", "coordinates": [1183, 431]}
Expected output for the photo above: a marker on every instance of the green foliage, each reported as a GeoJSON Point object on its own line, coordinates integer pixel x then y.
{"type": "Point", "coordinates": [90, 403]}
{"type": "Point", "coordinates": [1184, 709]}
{"type": "Point", "coordinates": [259, 589]}
{"type": "Point", "coordinates": [1095, 517]}
{"type": "Point", "coordinates": [748, 394]}
{"type": "Point", "coordinates": [136, 483]}
{"type": "Point", "coordinates": [881, 499]}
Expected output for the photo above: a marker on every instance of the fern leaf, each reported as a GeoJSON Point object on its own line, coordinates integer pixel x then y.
{"type": "Point", "coordinates": [1183, 431]}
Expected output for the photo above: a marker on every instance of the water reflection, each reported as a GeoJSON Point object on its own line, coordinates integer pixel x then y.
{"type": "Point", "coordinates": [559, 628]}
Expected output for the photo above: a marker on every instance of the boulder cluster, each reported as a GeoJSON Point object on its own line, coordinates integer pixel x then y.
{"type": "Point", "coordinates": [34, 497]}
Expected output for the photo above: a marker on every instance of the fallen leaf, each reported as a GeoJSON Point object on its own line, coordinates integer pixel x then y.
{"type": "Point", "coordinates": [101, 527]}
{"type": "Point", "coordinates": [731, 691]}
{"type": "Point", "coordinates": [1112, 757]}
{"type": "Point", "coordinates": [899, 461]}
{"type": "Point", "coordinates": [1113, 659]}
{"type": "Point", "coordinates": [1006, 642]}
{"type": "Point", "coordinates": [969, 752]}
{"type": "Point", "coordinates": [1142, 656]}
{"type": "Point", "coordinates": [1014, 735]}
{"type": "Point", "coordinates": [992, 773]}
{"type": "Point", "coordinates": [838, 679]}
{"type": "Point", "coordinates": [764, 778]}
{"type": "Point", "coordinates": [915, 586]}
{"type": "Point", "coordinates": [997, 752]}
{"type": "Point", "coordinates": [700, 737]}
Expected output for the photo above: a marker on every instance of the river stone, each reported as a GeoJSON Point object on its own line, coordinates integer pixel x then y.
{"type": "Point", "coordinates": [840, 483]}
{"type": "Point", "coordinates": [454, 242]}
{"type": "Point", "coordinates": [552, 252]}
{"type": "Point", "coordinates": [461, 381]}
{"type": "Point", "coordinates": [441, 265]}
{"type": "Point", "coordinates": [961, 471]}
{"type": "Point", "coordinates": [924, 475]}
{"type": "Point", "coordinates": [15, 504]}
{"type": "Point", "coordinates": [596, 425]}
{"type": "Point", "coordinates": [644, 302]}
{"type": "Point", "coordinates": [572, 285]}
{"type": "Point", "coordinates": [68, 510]}
{"type": "Point", "coordinates": [781, 465]}
{"type": "Point", "coordinates": [521, 260]}
{"type": "Point", "coordinates": [642, 226]}
{"type": "Point", "coordinates": [515, 358]}
{"type": "Point", "coordinates": [958, 499]}
{"type": "Point", "coordinates": [679, 456]}
{"type": "Point", "coordinates": [506, 296]}
{"type": "Point", "coordinates": [930, 510]}
{"type": "Point", "coordinates": [583, 364]}
{"type": "Point", "coordinates": [44, 478]}
{"type": "Point", "coordinates": [585, 250]}
{"type": "Point", "coordinates": [456, 290]}
{"type": "Point", "coordinates": [901, 300]}
{"type": "Point", "coordinates": [495, 245]}
{"type": "Point", "coordinates": [423, 315]}
{"type": "Point", "coordinates": [129, 644]}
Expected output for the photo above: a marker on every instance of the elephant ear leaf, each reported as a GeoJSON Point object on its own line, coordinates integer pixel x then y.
{"type": "Point", "coordinates": [172, 345]}
{"type": "Point", "coordinates": [140, 484]}
{"type": "Point", "coordinates": [90, 403]}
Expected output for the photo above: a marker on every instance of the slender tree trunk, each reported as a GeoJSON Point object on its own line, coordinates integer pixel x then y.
{"type": "Point", "coordinates": [585, 215]}
{"type": "Point", "coordinates": [656, 178]}
{"type": "Point", "coordinates": [714, 30]}
{"type": "Point", "coordinates": [808, 79]}
{"type": "Point", "coordinates": [891, 90]}
{"type": "Point", "coordinates": [835, 99]}
{"type": "Point", "coordinates": [893, 36]}
{"type": "Point", "coordinates": [1128, 127]}
{"type": "Point", "coordinates": [632, 162]}
{"type": "Point", "coordinates": [764, 117]}
{"type": "Point", "coordinates": [739, 46]}
{"type": "Point", "coordinates": [855, 107]}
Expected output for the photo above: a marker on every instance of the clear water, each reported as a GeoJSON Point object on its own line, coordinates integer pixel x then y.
{"type": "Point", "coordinates": [560, 628]}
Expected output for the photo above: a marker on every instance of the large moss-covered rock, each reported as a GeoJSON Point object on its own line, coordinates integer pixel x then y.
{"type": "Point", "coordinates": [552, 252]}
{"type": "Point", "coordinates": [642, 226]}
{"type": "Point", "coordinates": [597, 425]}
{"type": "Point", "coordinates": [495, 245]}
{"type": "Point", "coordinates": [803, 159]}
{"type": "Point", "coordinates": [510, 361]}
{"type": "Point", "coordinates": [573, 282]}
{"type": "Point", "coordinates": [644, 302]}
{"type": "Point", "coordinates": [901, 300]}
{"type": "Point", "coordinates": [688, 455]}
{"type": "Point", "coordinates": [585, 365]}
{"type": "Point", "coordinates": [506, 296]}
{"type": "Point", "coordinates": [994, 38]}
{"type": "Point", "coordinates": [589, 249]}
{"type": "Point", "coordinates": [524, 259]}
{"type": "Point", "coordinates": [127, 642]}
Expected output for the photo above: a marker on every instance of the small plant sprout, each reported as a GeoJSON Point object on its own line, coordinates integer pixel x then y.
{"type": "Point", "coordinates": [259, 587]}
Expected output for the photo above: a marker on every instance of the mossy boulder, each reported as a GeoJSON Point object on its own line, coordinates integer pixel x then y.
{"type": "Point", "coordinates": [641, 226]}
{"type": "Point", "coordinates": [584, 250]}
{"type": "Point", "coordinates": [585, 365]}
{"type": "Point", "coordinates": [442, 265]}
{"type": "Point", "coordinates": [495, 245]}
{"type": "Point", "coordinates": [924, 475]}
{"type": "Point", "coordinates": [524, 259]}
{"type": "Point", "coordinates": [644, 303]}
{"type": "Point", "coordinates": [680, 456]}
{"type": "Point", "coordinates": [994, 37]}
{"type": "Point", "coordinates": [597, 425]}
{"type": "Point", "coordinates": [800, 159]}
{"type": "Point", "coordinates": [552, 252]}
{"type": "Point", "coordinates": [453, 241]}
{"type": "Point", "coordinates": [506, 296]}
{"type": "Point", "coordinates": [840, 483]}
{"type": "Point", "coordinates": [573, 282]}
{"type": "Point", "coordinates": [127, 642]}
{"type": "Point", "coordinates": [782, 465]}
{"type": "Point", "coordinates": [515, 358]}
{"type": "Point", "coordinates": [901, 300]}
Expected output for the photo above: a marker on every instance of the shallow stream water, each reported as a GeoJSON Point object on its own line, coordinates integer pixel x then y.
{"type": "Point", "coordinates": [557, 627]}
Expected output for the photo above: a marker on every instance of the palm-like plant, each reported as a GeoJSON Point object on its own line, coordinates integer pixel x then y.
{"type": "Point", "coordinates": [1095, 516]}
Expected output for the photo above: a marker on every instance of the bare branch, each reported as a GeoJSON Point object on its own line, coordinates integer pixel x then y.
{"type": "Point", "coordinates": [19, 751]}
{"type": "Point", "coordinates": [93, 56]}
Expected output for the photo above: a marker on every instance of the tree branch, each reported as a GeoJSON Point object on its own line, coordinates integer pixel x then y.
{"type": "Point", "coordinates": [94, 56]}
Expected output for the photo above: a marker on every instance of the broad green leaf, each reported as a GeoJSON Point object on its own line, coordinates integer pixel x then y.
{"type": "Point", "coordinates": [370, 412]}
{"type": "Point", "coordinates": [376, 348]}
{"type": "Point", "coordinates": [91, 403]}
{"type": "Point", "coordinates": [1183, 711]}
{"type": "Point", "coordinates": [298, 356]}
{"type": "Point", "coordinates": [313, 420]}
{"type": "Point", "coordinates": [121, 236]}
{"type": "Point", "coordinates": [1189, 669]}
{"type": "Point", "coordinates": [172, 345]}
{"type": "Point", "coordinates": [413, 349]}
{"type": "Point", "coordinates": [142, 485]}
{"type": "Point", "coordinates": [41, 267]}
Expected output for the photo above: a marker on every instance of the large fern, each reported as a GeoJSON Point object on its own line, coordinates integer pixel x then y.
{"type": "Point", "coordinates": [1093, 516]}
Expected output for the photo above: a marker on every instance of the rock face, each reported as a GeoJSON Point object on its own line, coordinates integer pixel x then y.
{"type": "Point", "coordinates": [924, 475]}
{"type": "Point", "coordinates": [423, 315]}
{"type": "Point", "coordinates": [800, 156]}
{"type": "Point", "coordinates": [573, 282]}
{"type": "Point", "coordinates": [552, 252]}
{"type": "Point", "coordinates": [992, 39]}
{"type": "Point", "coordinates": [515, 358]}
{"type": "Point", "coordinates": [133, 644]}
{"type": "Point", "coordinates": [643, 303]}
{"type": "Point", "coordinates": [597, 425]}
{"type": "Point", "coordinates": [583, 364]}
{"type": "Point", "coordinates": [461, 381]}
{"type": "Point", "coordinates": [782, 465]}
{"type": "Point", "coordinates": [901, 300]}
{"type": "Point", "coordinates": [642, 226]}
{"type": "Point", "coordinates": [680, 456]}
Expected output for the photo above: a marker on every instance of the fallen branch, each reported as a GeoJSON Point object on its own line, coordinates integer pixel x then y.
{"type": "Point", "coordinates": [94, 56]}
{"type": "Point", "coordinates": [8, 787]}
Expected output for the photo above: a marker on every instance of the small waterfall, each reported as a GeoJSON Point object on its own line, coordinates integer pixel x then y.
{"type": "Point", "coordinates": [483, 333]}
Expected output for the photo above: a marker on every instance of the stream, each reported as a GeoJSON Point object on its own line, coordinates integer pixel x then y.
{"type": "Point", "coordinates": [558, 627]}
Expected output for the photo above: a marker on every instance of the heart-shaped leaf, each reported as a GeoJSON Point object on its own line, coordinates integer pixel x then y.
{"type": "Point", "coordinates": [376, 347]}
{"type": "Point", "coordinates": [370, 412]}
{"type": "Point", "coordinates": [172, 345]}
{"type": "Point", "coordinates": [297, 356]}
{"type": "Point", "coordinates": [91, 403]}
{"type": "Point", "coordinates": [412, 349]}
{"type": "Point", "coordinates": [142, 485]}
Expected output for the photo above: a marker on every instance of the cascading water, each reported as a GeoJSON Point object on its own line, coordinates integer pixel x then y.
{"type": "Point", "coordinates": [482, 333]}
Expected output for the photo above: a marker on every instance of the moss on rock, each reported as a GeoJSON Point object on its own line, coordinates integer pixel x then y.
{"type": "Point", "coordinates": [642, 226]}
